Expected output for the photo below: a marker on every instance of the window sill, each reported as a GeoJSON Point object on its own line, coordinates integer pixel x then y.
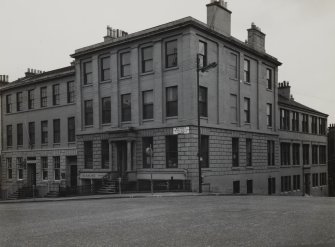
{"type": "Point", "coordinates": [236, 168]}
{"type": "Point", "coordinates": [270, 127]}
{"type": "Point", "coordinates": [106, 124]}
{"type": "Point", "coordinates": [56, 144]}
{"type": "Point", "coordinates": [148, 120]}
{"type": "Point", "coordinates": [44, 145]}
{"type": "Point", "coordinates": [106, 81]}
{"type": "Point", "coordinates": [171, 68]}
{"type": "Point", "coordinates": [172, 117]}
{"type": "Point", "coordinates": [247, 83]}
{"type": "Point", "coordinates": [147, 73]}
{"type": "Point", "coordinates": [71, 143]}
{"type": "Point", "coordinates": [88, 126]}
{"type": "Point", "coordinates": [125, 77]}
{"type": "Point", "coordinates": [87, 85]}
{"type": "Point", "coordinates": [233, 79]}
{"type": "Point", "coordinates": [269, 90]}
{"type": "Point", "coordinates": [249, 167]}
{"type": "Point", "coordinates": [126, 122]}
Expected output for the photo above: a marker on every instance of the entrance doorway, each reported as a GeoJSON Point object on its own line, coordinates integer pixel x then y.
{"type": "Point", "coordinates": [307, 184]}
{"type": "Point", "coordinates": [31, 174]}
{"type": "Point", "coordinates": [271, 186]}
{"type": "Point", "coordinates": [73, 176]}
{"type": "Point", "coordinates": [122, 158]}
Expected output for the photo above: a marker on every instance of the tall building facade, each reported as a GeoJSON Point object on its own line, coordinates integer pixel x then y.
{"type": "Point", "coordinates": [331, 159]}
{"type": "Point", "coordinates": [133, 93]}
{"type": "Point", "coordinates": [38, 128]}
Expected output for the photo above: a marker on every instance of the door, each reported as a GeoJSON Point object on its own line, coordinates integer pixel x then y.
{"type": "Point", "coordinates": [307, 184]}
{"type": "Point", "coordinates": [122, 158]}
{"type": "Point", "coordinates": [31, 174]}
{"type": "Point", "coordinates": [73, 174]}
{"type": "Point", "coordinates": [271, 186]}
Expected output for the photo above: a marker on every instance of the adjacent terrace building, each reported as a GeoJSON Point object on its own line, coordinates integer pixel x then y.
{"type": "Point", "coordinates": [38, 131]}
{"type": "Point", "coordinates": [303, 146]}
{"type": "Point", "coordinates": [331, 159]}
{"type": "Point", "coordinates": [140, 90]}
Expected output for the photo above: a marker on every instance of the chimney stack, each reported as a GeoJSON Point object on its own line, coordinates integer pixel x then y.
{"type": "Point", "coordinates": [114, 33]}
{"type": "Point", "coordinates": [219, 17]}
{"type": "Point", "coordinates": [256, 38]}
{"type": "Point", "coordinates": [32, 72]}
{"type": "Point", "coordinates": [284, 89]}
{"type": "Point", "coordinates": [3, 80]}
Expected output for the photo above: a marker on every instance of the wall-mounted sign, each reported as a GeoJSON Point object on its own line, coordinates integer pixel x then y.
{"type": "Point", "coordinates": [181, 130]}
{"type": "Point", "coordinates": [92, 175]}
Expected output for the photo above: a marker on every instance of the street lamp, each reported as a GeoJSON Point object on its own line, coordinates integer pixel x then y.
{"type": "Point", "coordinates": [203, 69]}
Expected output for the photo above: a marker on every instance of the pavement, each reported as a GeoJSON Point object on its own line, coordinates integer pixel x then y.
{"type": "Point", "coordinates": [106, 196]}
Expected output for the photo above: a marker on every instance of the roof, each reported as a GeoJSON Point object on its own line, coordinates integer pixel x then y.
{"type": "Point", "coordinates": [48, 75]}
{"type": "Point", "coordinates": [174, 25]}
{"type": "Point", "coordinates": [294, 104]}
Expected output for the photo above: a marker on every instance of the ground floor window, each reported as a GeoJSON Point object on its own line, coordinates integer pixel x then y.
{"type": "Point", "coordinates": [88, 154]}
{"type": "Point", "coordinates": [104, 154]}
{"type": "Point", "coordinates": [271, 185]}
{"type": "Point", "coordinates": [315, 180]}
{"type": "Point", "coordinates": [57, 167]}
{"type": "Point", "coordinates": [271, 153]}
{"type": "Point", "coordinates": [235, 151]}
{"type": "Point", "coordinates": [44, 165]}
{"type": "Point", "coordinates": [147, 142]}
{"type": "Point", "coordinates": [204, 151]}
{"type": "Point", "coordinates": [9, 168]}
{"type": "Point", "coordinates": [248, 144]}
{"type": "Point", "coordinates": [171, 145]}
{"type": "Point", "coordinates": [19, 167]}
{"type": "Point", "coordinates": [285, 183]}
{"type": "Point", "coordinates": [236, 187]}
{"type": "Point", "coordinates": [323, 179]}
{"type": "Point", "coordinates": [296, 182]}
{"type": "Point", "coordinates": [249, 186]}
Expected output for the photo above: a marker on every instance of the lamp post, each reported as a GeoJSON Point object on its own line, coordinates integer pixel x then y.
{"type": "Point", "coordinates": [203, 69]}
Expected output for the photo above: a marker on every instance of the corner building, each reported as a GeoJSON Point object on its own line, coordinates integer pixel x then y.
{"type": "Point", "coordinates": [38, 128]}
{"type": "Point", "coordinates": [140, 90]}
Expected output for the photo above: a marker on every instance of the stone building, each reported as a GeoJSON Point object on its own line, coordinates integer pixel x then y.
{"type": "Point", "coordinates": [140, 89]}
{"type": "Point", "coordinates": [38, 127]}
{"type": "Point", "coordinates": [331, 159]}
{"type": "Point", "coordinates": [303, 145]}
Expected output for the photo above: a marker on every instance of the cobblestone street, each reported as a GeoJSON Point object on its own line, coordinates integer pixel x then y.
{"type": "Point", "coordinates": [171, 221]}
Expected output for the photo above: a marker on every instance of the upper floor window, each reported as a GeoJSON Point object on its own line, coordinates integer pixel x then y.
{"type": "Point", "coordinates": [295, 121]}
{"type": "Point", "coordinates": [322, 126]}
{"type": "Point", "coordinates": [233, 108]}
{"type": "Point", "coordinates": [9, 168]}
{"type": "Point", "coordinates": [202, 53]}
{"type": "Point", "coordinates": [71, 129]}
{"type": "Point", "coordinates": [246, 74]}
{"type": "Point", "coordinates": [171, 101]}
{"type": "Point", "coordinates": [322, 155]}
{"type": "Point", "coordinates": [125, 64]}
{"type": "Point", "coordinates": [45, 167]}
{"type": "Point", "coordinates": [296, 153]}
{"type": "Point", "coordinates": [247, 110]}
{"type": "Point", "coordinates": [19, 101]}
{"type": "Point", "coordinates": [171, 54]}
{"type": "Point", "coordinates": [314, 125]}
{"type": "Point", "coordinates": [148, 104]}
{"type": "Point", "coordinates": [284, 119]}
{"type": "Point", "coordinates": [31, 133]}
{"type": "Point", "coordinates": [315, 152]}
{"type": "Point", "coordinates": [126, 107]}
{"type": "Point", "coordinates": [9, 103]}
{"type": "Point", "coordinates": [106, 110]}
{"type": "Point", "coordinates": [105, 68]}
{"type": "Point", "coordinates": [304, 123]}
{"type": "Point", "coordinates": [233, 68]}
{"type": "Point", "coordinates": [55, 94]}
{"type": "Point", "coordinates": [9, 132]}
{"type": "Point", "coordinates": [88, 111]}
{"type": "Point", "coordinates": [70, 92]}
{"type": "Point", "coordinates": [31, 99]}
{"type": "Point", "coordinates": [44, 97]}
{"type": "Point", "coordinates": [269, 115]}
{"type": "Point", "coordinates": [44, 132]}
{"type": "Point", "coordinates": [235, 152]}
{"type": "Point", "coordinates": [87, 67]}
{"type": "Point", "coordinates": [56, 126]}
{"type": "Point", "coordinates": [19, 133]}
{"type": "Point", "coordinates": [305, 154]}
{"type": "Point", "coordinates": [203, 102]}
{"type": "Point", "coordinates": [147, 59]}
{"type": "Point", "coordinates": [269, 78]}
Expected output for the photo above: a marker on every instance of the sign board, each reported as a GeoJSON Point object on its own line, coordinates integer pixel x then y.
{"type": "Point", "coordinates": [181, 130]}
{"type": "Point", "coordinates": [92, 175]}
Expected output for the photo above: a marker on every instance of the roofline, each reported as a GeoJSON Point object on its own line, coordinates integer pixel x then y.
{"type": "Point", "coordinates": [175, 25]}
{"type": "Point", "coordinates": [54, 74]}
{"type": "Point", "coordinates": [303, 109]}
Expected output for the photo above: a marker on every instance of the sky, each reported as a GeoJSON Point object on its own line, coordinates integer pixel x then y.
{"type": "Point", "coordinates": [41, 34]}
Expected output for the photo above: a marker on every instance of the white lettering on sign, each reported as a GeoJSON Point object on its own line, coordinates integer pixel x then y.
{"type": "Point", "coordinates": [181, 130]}
{"type": "Point", "coordinates": [89, 175]}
